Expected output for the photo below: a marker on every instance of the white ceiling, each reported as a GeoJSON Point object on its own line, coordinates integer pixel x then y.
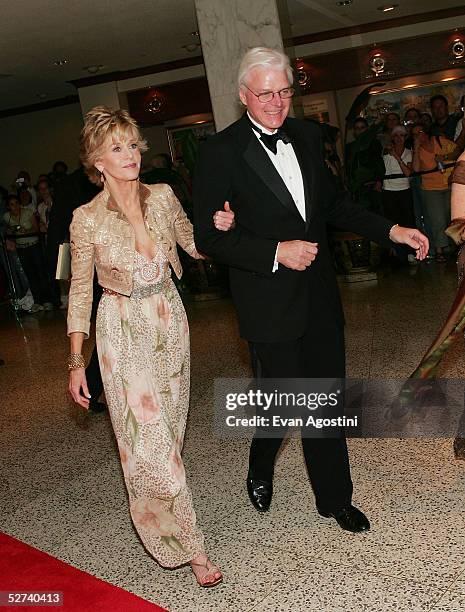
{"type": "Point", "coordinates": [120, 34]}
{"type": "Point", "coordinates": [309, 16]}
{"type": "Point", "coordinates": [126, 34]}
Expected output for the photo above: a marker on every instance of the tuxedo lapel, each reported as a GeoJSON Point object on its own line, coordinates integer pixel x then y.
{"type": "Point", "coordinates": [257, 158]}
{"type": "Point", "coordinates": [307, 167]}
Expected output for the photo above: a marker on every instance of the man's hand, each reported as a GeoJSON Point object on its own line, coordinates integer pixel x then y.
{"type": "Point", "coordinates": [411, 237]}
{"type": "Point", "coordinates": [224, 219]}
{"type": "Point", "coordinates": [297, 254]}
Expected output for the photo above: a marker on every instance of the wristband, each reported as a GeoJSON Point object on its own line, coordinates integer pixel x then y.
{"type": "Point", "coordinates": [76, 361]}
{"type": "Point", "coordinates": [390, 237]}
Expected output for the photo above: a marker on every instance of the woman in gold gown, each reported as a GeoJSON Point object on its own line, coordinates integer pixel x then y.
{"type": "Point", "coordinates": [129, 232]}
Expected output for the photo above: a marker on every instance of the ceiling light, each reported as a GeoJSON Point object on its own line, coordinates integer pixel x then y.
{"type": "Point", "coordinates": [458, 49]}
{"type": "Point", "coordinates": [191, 47]}
{"type": "Point", "coordinates": [377, 64]}
{"type": "Point", "coordinates": [387, 8]}
{"type": "Point", "coordinates": [344, 2]}
{"type": "Point", "coordinates": [94, 68]}
{"type": "Point", "coordinates": [60, 62]}
{"type": "Point", "coordinates": [448, 79]}
{"type": "Point", "coordinates": [155, 104]}
{"type": "Point", "coordinates": [410, 85]}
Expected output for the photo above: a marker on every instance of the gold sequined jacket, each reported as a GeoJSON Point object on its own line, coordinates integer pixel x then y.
{"type": "Point", "coordinates": [100, 235]}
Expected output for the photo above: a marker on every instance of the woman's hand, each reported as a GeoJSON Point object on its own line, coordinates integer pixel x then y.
{"type": "Point", "coordinates": [224, 219]}
{"type": "Point", "coordinates": [77, 381]}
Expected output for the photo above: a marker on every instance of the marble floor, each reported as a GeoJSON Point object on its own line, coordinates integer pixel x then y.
{"type": "Point", "coordinates": [62, 490]}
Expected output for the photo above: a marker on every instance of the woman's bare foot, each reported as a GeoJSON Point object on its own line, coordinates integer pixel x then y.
{"type": "Point", "coordinates": [207, 574]}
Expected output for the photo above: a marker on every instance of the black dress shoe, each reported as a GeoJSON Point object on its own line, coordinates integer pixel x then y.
{"type": "Point", "coordinates": [349, 518]}
{"type": "Point", "coordinates": [260, 492]}
{"type": "Point", "coordinates": [95, 406]}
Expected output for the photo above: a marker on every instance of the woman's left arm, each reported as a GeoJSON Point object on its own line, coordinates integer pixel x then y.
{"type": "Point", "coordinates": [223, 220]}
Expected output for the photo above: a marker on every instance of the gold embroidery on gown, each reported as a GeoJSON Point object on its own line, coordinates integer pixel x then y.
{"type": "Point", "coordinates": [143, 346]}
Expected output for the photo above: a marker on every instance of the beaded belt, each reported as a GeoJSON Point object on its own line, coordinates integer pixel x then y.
{"type": "Point", "coordinates": [143, 291]}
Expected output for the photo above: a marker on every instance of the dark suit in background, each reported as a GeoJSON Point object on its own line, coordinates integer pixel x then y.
{"type": "Point", "coordinates": [70, 192]}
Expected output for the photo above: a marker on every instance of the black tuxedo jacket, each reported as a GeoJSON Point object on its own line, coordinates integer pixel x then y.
{"type": "Point", "coordinates": [233, 166]}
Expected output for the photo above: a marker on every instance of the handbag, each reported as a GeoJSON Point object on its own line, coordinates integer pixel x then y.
{"type": "Point", "coordinates": [63, 271]}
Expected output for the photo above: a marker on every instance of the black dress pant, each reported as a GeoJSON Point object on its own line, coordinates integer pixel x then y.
{"type": "Point", "coordinates": [319, 353]}
{"type": "Point", "coordinates": [34, 267]}
{"type": "Point", "coordinates": [93, 375]}
{"type": "Point", "coordinates": [51, 252]}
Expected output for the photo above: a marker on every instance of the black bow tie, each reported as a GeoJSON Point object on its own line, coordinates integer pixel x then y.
{"type": "Point", "coordinates": [271, 140]}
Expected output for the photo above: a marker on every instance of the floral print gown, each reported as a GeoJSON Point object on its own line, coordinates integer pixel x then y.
{"type": "Point", "coordinates": [143, 347]}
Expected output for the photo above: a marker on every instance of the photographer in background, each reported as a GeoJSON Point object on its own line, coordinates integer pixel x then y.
{"type": "Point", "coordinates": [22, 236]}
{"type": "Point", "coordinates": [23, 182]}
{"type": "Point", "coordinates": [397, 195]}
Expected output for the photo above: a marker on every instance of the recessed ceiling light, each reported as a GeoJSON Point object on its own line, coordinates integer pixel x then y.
{"type": "Point", "coordinates": [191, 47]}
{"type": "Point", "coordinates": [344, 2]}
{"type": "Point", "coordinates": [94, 68]}
{"type": "Point", "coordinates": [387, 7]}
{"type": "Point", "coordinates": [60, 62]}
{"type": "Point", "coordinates": [448, 79]}
{"type": "Point", "coordinates": [410, 86]}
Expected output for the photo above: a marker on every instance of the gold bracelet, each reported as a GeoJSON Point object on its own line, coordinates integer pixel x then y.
{"type": "Point", "coordinates": [389, 236]}
{"type": "Point", "coordinates": [76, 361]}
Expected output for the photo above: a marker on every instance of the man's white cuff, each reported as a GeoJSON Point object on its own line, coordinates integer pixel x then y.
{"type": "Point", "coordinates": [276, 263]}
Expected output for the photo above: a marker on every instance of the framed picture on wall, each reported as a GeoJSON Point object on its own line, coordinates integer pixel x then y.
{"type": "Point", "coordinates": [184, 142]}
{"type": "Point", "coordinates": [416, 97]}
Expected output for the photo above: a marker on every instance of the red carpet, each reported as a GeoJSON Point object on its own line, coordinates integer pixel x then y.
{"type": "Point", "coordinates": [23, 568]}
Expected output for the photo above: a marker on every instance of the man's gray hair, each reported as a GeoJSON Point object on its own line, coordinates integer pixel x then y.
{"type": "Point", "coordinates": [262, 57]}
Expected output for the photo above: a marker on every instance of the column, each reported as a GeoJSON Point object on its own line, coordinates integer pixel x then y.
{"type": "Point", "coordinates": [227, 30]}
{"type": "Point", "coordinates": [102, 93]}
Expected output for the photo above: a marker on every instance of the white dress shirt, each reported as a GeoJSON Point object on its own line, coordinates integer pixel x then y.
{"type": "Point", "coordinates": [287, 166]}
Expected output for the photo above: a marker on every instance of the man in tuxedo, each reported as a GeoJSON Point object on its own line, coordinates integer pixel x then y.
{"type": "Point", "coordinates": [271, 169]}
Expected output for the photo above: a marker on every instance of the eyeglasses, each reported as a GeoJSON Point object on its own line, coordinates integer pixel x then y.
{"type": "Point", "coordinates": [267, 96]}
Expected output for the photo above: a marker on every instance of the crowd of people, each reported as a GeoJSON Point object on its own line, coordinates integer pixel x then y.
{"type": "Point", "coordinates": [25, 222]}
{"type": "Point", "coordinates": [401, 167]}
{"type": "Point", "coordinates": [398, 166]}
{"type": "Point", "coordinates": [35, 219]}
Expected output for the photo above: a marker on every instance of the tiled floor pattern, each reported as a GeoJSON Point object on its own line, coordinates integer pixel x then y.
{"type": "Point", "coordinates": [62, 489]}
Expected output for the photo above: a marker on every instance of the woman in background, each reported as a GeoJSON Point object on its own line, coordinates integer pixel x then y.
{"type": "Point", "coordinates": [22, 233]}
{"type": "Point", "coordinates": [430, 153]}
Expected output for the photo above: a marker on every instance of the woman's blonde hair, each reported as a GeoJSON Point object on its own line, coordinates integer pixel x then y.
{"type": "Point", "coordinates": [100, 123]}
